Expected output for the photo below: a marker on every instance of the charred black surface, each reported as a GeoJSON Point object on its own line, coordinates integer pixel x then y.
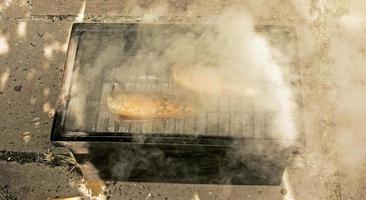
{"type": "Point", "coordinates": [54, 160]}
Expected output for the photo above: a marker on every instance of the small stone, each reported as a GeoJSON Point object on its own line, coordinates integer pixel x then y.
{"type": "Point", "coordinates": [18, 88]}
{"type": "Point", "coordinates": [35, 120]}
{"type": "Point", "coordinates": [283, 191]}
{"type": "Point", "coordinates": [26, 137]}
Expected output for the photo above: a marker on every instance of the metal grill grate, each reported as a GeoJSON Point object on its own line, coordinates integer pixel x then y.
{"type": "Point", "coordinates": [226, 116]}
{"type": "Point", "coordinates": [222, 118]}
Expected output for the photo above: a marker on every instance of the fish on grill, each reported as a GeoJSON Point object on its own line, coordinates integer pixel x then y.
{"type": "Point", "coordinates": [147, 106]}
{"type": "Point", "coordinates": [207, 80]}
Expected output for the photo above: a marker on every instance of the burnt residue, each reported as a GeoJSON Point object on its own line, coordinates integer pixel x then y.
{"type": "Point", "coordinates": [18, 88]}
{"type": "Point", "coordinates": [53, 160]}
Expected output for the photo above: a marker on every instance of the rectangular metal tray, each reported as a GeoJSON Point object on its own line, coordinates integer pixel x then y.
{"type": "Point", "coordinates": [235, 149]}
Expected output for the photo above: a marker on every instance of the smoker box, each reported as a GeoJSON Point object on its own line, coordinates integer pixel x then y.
{"type": "Point", "coordinates": [220, 146]}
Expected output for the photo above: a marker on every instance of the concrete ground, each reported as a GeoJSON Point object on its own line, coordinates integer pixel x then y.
{"type": "Point", "coordinates": [33, 41]}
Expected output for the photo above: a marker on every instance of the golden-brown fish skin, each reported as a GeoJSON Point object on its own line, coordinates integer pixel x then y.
{"type": "Point", "coordinates": [145, 106]}
{"type": "Point", "coordinates": [204, 79]}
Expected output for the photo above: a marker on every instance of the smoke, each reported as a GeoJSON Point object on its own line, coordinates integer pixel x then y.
{"type": "Point", "coordinates": [232, 48]}
{"type": "Point", "coordinates": [84, 80]}
{"type": "Point", "coordinates": [222, 58]}
{"type": "Point", "coordinates": [251, 58]}
{"type": "Point", "coordinates": [333, 51]}
{"type": "Point", "coordinates": [229, 49]}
